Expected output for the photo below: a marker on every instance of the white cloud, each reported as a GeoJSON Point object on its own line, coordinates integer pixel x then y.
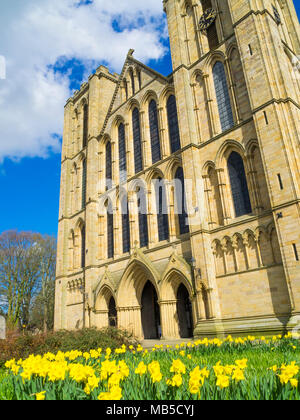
{"type": "Point", "coordinates": [37, 34]}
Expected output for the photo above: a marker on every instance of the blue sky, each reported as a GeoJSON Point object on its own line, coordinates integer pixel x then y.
{"type": "Point", "coordinates": [54, 59]}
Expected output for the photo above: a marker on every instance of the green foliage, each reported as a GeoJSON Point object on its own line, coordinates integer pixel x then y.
{"type": "Point", "coordinates": [23, 345]}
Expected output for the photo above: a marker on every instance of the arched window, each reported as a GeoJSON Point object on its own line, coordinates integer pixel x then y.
{"type": "Point", "coordinates": [211, 32]}
{"type": "Point", "coordinates": [181, 202]}
{"type": "Point", "coordinates": [125, 224]}
{"type": "Point", "coordinates": [132, 81]}
{"type": "Point", "coordinates": [108, 172]}
{"type": "Point", "coordinates": [122, 154]}
{"type": "Point", "coordinates": [162, 210]}
{"type": "Point", "coordinates": [83, 198]}
{"type": "Point", "coordinates": [126, 88]}
{"type": "Point", "coordinates": [239, 187]}
{"type": "Point", "coordinates": [173, 124]}
{"type": "Point", "coordinates": [143, 223]}
{"type": "Point", "coordinates": [83, 251]}
{"type": "Point", "coordinates": [85, 125]}
{"type": "Point", "coordinates": [139, 74]}
{"type": "Point", "coordinates": [136, 128]}
{"type": "Point", "coordinates": [154, 132]}
{"type": "Point", "coordinates": [223, 98]}
{"type": "Point", "coordinates": [110, 231]}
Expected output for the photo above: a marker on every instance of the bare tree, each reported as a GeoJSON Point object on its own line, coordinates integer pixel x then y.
{"type": "Point", "coordinates": [27, 262]}
{"type": "Point", "coordinates": [42, 313]}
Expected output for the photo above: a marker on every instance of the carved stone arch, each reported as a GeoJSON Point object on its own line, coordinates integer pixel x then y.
{"type": "Point", "coordinates": [207, 166]}
{"type": "Point", "coordinates": [261, 231]}
{"type": "Point", "coordinates": [119, 119]}
{"type": "Point", "coordinates": [219, 255]}
{"type": "Point", "coordinates": [71, 249]}
{"type": "Point", "coordinates": [105, 282]}
{"type": "Point", "coordinates": [83, 101]}
{"type": "Point", "coordinates": [172, 167]}
{"type": "Point", "coordinates": [139, 275]}
{"type": "Point", "coordinates": [240, 252]}
{"type": "Point", "coordinates": [107, 199]}
{"type": "Point", "coordinates": [226, 149]}
{"type": "Point", "coordinates": [139, 270]}
{"type": "Point", "coordinates": [120, 192]}
{"type": "Point", "coordinates": [147, 98]}
{"type": "Point", "coordinates": [250, 146]}
{"type": "Point", "coordinates": [165, 94]}
{"type": "Point", "coordinates": [136, 184]}
{"type": "Point", "coordinates": [258, 174]}
{"type": "Point", "coordinates": [231, 264]}
{"type": "Point", "coordinates": [80, 159]}
{"type": "Point", "coordinates": [105, 139]}
{"type": "Point", "coordinates": [103, 295]}
{"type": "Point", "coordinates": [184, 5]}
{"type": "Point", "coordinates": [211, 60]}
{"type": "Point", "coordinates": [197, 75]}
{"type": "Point", "coordinates": [277, 256]}
{"type": "Point", "coordinates": [179, 266]}
{"type": "Point", "coordinates": [79, 224]}
{"type": "Point", "coordinates": [177, 279]}
{"type": "Point", "coordinates": [230, 47]}
{"type": "Point", "coordinates": [264, 244]}
{"type": "Point", "coordinates": [131, 105]}
{"type": "Point", "coordinates": [215, 212]}
{"type": "Point", "coordinates": [152, 174]}
{"type": "Point", "coordinates": [239, 188]}
{"type": "Point", "coordinates": [103, 298]}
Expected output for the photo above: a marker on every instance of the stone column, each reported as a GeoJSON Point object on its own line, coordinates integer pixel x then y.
{"type": "Point", "coordinates": [196, 109]}
{"type": "Point", "coordinates": [236, 110]}
{"type": "Point", "coordinates": [224, 200]}
{"type": "Point", "coordinates": [129, 151]}
{"type": "Point", "coordinates": [164, 140]}
{"type": "Point", "coordinates": [212, 114]}
{"type": "Point", "coordinates": [145, 141]}
{"type": "Point", "coordinates": [169, 319]}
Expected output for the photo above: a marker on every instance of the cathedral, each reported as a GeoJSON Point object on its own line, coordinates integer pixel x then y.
{"type": "Point", "coordinates": [180, 194]}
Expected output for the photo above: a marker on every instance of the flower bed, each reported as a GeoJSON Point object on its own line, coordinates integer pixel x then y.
{"type": "Point", "coordinates": [241, 368]}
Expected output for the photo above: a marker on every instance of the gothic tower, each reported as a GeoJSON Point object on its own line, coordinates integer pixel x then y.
{"type": "Point", "coordinates": [220, 138]}
{"type": "Point", "coordinates": [235, 72]}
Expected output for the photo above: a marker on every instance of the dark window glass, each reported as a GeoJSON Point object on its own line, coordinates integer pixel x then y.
{"type": "Point", "coordinates": [126, 89]}
{"type": "Point", "coordinates": [85, 124]}
{"type": "Point", "coordinates": [143, 223]}
{"type": "Point", "coordinates": [122, 154]}
{"type": "Point", "coordinates": [223, 98]}
{"type": "Point", "coordinates": [108, 173]}
{"type": "Point", "coordinates": [138, 159]}
{"type": "Point", "coordinates": [110, 232]}
{"type": "Point", "coordinates": [83, 247]}
{"type": "Point", "coordinates": [212, 36]}
{"type": "Point", "coordinates": [154, 132]}
{"type": "Point", "coordinates": [206, 4]}
{"type": "Point", "coordinates": [181, 202]}
{"type": "Point", "coordinates": [173, 124]}
{"type": "Point", "coordinates": [239, 187]}
{"type": "Point", "coordinates": [125, 225]}
{"type": "Point", "coordinates": [140, 79]}
{"type": "Point", "coordinates": [132, 82]}
{"type": "Point", "coordinates": [83, 200]}
{"type": "Point", "coordinates": [162, 210]}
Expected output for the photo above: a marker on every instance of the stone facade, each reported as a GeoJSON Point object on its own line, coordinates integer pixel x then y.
{"type": "Point", "coordinates": [236, 268]}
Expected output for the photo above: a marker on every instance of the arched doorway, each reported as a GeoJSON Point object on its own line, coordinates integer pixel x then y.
{"type": "Point", "coordinates": [112, 313]}
{"type": "Point", "coordinates": [184, 312]}
{"type": "Point", "coordinates": [150, 313]}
